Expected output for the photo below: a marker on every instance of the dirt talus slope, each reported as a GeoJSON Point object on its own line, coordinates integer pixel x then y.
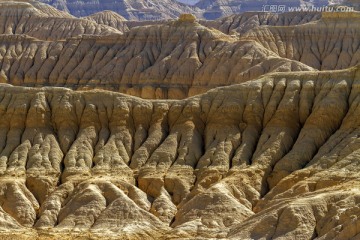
{"type": "Point", "coordinates": [245, 161]}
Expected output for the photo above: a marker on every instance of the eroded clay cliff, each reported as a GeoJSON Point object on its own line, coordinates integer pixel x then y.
{"type": "Point", "coordinates": [45, 23]}
{"type": "Point", "coordinates": [272, 158]}
{"type": "Point", "coordinates": [244, 22]}
{"type": "Point", "coordinates": [328, 44]}
{"type": "Point", "coordinates": [170, 60]}
{"type": "Point", "coordinates": [167, 60]}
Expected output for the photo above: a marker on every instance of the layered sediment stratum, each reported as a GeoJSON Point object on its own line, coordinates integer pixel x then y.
{"type": "Point", "coordinates": [272, 158]}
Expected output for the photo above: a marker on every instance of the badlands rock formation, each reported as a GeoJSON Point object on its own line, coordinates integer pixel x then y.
{"type": "Point", "coordinates": [130, 9]}
{"type": "Point", "coordinates": [45, 23]}
{"type": "Point", "coordinates": [272, 154]}
{"type": "Point", "coordinates": [213, 9]}
{"type": "Point", "coordinates": [109, 18]}
{"type": "Point", "coordinates": [242, 23]}
{"type": "Point", "coordinates": [173, 59]}
{"type": "Point", "coordinates": [231, 25]}
{"type": "Point", "coordinates": [325, 45]}
{"type": "Point", "coordinates": [170, 60]}
{"type": "Point", "coordinates": [274, 158]}
{"type": "Point", "coordinates": [167, 9]}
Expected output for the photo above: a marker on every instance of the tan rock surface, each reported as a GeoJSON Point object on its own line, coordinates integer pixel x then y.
{"type": "Point", "coordinates": [44, 22]}
{"type": "Point", "coordinates": [272, 158]}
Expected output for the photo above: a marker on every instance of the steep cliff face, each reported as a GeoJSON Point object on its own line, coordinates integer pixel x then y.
{"type": "Point", "coordinates": [272, 158]}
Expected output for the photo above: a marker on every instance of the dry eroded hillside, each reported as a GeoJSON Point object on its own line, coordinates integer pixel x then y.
{"type": "Point", "coordinates": [271, 154]}
{"type": "Point", "coordinates": [272, 158]}
{"type": "Point", "coordinates": [167, 60]}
